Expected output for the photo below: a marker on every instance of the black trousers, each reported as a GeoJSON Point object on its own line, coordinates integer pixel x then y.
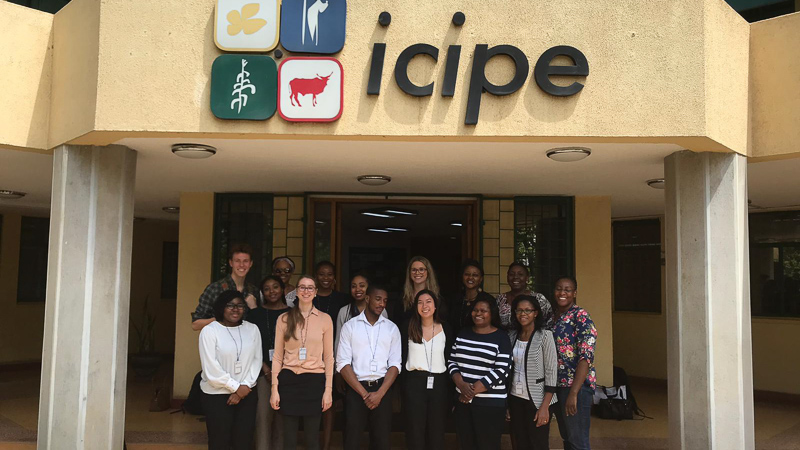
{"type": "Point", "coordinates": [524, 432]}
{"type": "Point", "coordinates": [426, 410]}
{"type": "Point", "coordinates": [230, 426]}
{"type": "Point", "coordinates": [479, 427]}
{"type": "Point", "coordinates": [291, 424]}
{"type": "Point", "coordinates": [357, 416]}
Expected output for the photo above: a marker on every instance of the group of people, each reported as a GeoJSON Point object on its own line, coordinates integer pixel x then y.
{"type": "Point", "coordinates": [279, 354]}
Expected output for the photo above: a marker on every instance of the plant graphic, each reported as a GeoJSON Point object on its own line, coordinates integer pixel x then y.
{"type": "Point", "coordinates": [244, 21]}
{"type": "Point", "coordinates": [242, 84]}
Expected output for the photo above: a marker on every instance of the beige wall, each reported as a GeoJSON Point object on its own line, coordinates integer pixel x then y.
{"type": "Point", "coordinates": [21, 338]}
{"type": "Point", "coordinates": [593, 272]}
{"type": "Point", "coordinates": [148, 239]}
{"type": "Point", "coordinates": [26, 60]}
{"type": "Point", "coordinates": [775, 86]}
{"type": "Point", "coordinates": [661, 71]}
{"type": "Point", "coordinates": [196, 236]}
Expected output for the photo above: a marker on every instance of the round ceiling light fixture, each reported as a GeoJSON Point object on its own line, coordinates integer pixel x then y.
{"type": "Point", "coordinates": [374, 180]}
{"type": "Point", "coordinates": [656, 183]}
{"type": "Point", "coordinates": [194, 151]}
{"type": "Point", "coordinates": [171, 209]}
{"type": "Point", "coordinates": [568, 154]}
{"type": "Point", "coordinates": [11, 195]}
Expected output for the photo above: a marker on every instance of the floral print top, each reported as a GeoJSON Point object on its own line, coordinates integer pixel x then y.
{"type": "Point", "coordinates": [505, 309]}
{"type": "Point", "coordinates": [575, 336]}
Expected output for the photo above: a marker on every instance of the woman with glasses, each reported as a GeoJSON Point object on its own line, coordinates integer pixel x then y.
{"type": "Point", "coordinates": [460, 309]}
{"type": "Point", "coordinates": [426, 341]}
{"type": "Point", "coordinates": [533, 381]}
{"type": "Point", "coordinates": [576, 337]}
{"type": "Point", "coordinates": [479, 365]}
{"type": "Point", "coordinates": [302, 367]}
{"type": "Point", "coordinates": [231, 358]}
{"type": "Point", "coordinates": [419, 276]}
{"type": "Point", "coordinates": [517, 278]}
{"type": "Point", "coordinates": [283, 267]}
{"type": "Point", "coordinates": [269, 426]}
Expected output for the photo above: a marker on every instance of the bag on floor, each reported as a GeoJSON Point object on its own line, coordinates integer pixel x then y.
{"type": "Point", "coordinates": [614, 406]}
{"type": "Point", "coordinates": [194, 403]}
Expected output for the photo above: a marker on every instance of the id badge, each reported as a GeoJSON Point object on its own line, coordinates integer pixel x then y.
{"type": "Point", "coordinates": [271, 354]}
{"type": "Point", "coordinates": [430, 382]}
{"type": "Point", "coordinates": [518, 388]}
{"type": "Point", "coordinates": [373, 366]}
{"type": "Point", "coordinates": [237, 368]}
{"type": "Point", "coordinates": [302, 353]}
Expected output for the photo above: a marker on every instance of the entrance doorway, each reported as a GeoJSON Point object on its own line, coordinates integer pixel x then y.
{"type": "Point", "coordinates": [378, 237]}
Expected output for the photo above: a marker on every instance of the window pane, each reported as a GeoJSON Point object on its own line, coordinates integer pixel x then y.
{"type": "Point", "coordinates": [32, 278]}
{"type": "Point", "coordinates": [637, 265]}
{"type": "Point", "coordinates": [247, 219]}
{"type": "Point", "coordinates": [775, 264]}
{"type": "Point", "coordinates": [322, 231]}
{"type": "Point", "coordinates": [169, 270]}
{"type": "Point", "coordinates": [543, 238]}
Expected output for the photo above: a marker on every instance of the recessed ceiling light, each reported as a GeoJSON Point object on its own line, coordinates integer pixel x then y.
{"type": "Point", "coordinates": [11, 195]}
{"type": "Point", "coordinates": [400, 212]}
{"type": "Point", "coordinates": [194, 151]}
{"type": "Point", "coordinates": [374, 180]}
{"type": "Point", "coordinates": [172, 209]}
{"type": "Point", "coordinates": [656, 183]}
{"type": "Point", "coordinates": [375, 214]}
{"type": "Point", "coordinates": [320, 222]}
{"type": "Point", "coordinates": [457, 224]}
{"type": "Point", "coordinates": [396, 229]}
{"type": "Point", "coordinates": [568, 154]}
{"type": "Point", "coordinates": [378, 230]}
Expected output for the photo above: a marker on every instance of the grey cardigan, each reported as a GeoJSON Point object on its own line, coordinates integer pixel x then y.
{"type": "Point", "coordinates": [541, 365]}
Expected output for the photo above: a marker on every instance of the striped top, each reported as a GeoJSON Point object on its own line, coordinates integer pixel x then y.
{"type": "Point", "coordinates": [485, 358]}
{"type": "Point", "coordinates": [539, 366]}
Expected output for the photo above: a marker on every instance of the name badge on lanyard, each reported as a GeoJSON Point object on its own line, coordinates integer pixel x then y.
{"type": "Point", "coordinates": [271, 354]}
{"type": "Point", "coordinates": [237, 368]}
{"type": "Point", "coordinates": [430, 382]}
{"type": "Point", "coordinates": [373, 366]}
{"type": "Point", "coordinates": [302, 353]}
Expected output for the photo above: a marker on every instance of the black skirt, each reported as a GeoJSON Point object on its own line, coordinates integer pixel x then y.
{"type": "Point", "coordinates": [301, 394]}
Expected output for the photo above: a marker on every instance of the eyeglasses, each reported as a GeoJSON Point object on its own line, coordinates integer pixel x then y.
{"type": "Point", "coordinates": [233, 306]}
{"type": "Point", "coordinates": [568, 291]}
{"type": "Point", "coordinates": [419, 270]}
{"type": "Point", "coordinates": [306, 288]}
{"type": "Point", "coordinates": [526, 312]}
{"type": "Point", "coordinates": [280, 271]}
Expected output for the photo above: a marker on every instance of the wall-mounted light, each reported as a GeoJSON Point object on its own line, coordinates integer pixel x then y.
{"type": "Point", "coordinates": [656, 183]}
{"type": "Point", "coordinates": [194, 151]}
{"type": "Point", "coordinates": [11, 195]}
{"type": "Point", "coordinates": [457, 224]}
{"type": "Point", "coordinates": [568, 154]}
{"type": "Point", "coordinates": [374, 180]}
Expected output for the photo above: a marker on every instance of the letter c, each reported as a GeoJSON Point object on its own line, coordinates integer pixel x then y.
{"type": "Point", "coordinates": [401, 69]}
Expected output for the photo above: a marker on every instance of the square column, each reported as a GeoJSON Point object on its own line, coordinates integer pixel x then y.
{"type": "Point", "coordinates": [708, 302]}
{"type": "Point", "coordinates": [84, 357]}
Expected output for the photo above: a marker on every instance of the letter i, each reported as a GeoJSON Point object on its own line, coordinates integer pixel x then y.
{"type": "Point", "coordinates": [376, 68]}
{"type": "Point", "coordinates": [451, 70]}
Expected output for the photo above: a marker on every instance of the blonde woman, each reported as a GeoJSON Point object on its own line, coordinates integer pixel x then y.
{"type": "Point", "coordinates": [419, 276]}
{"type": "Point", "coordinates": [302, 367]}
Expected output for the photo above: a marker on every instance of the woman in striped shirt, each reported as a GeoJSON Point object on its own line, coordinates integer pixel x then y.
{"type": "Point", "coordinates": [533, 382]}
{"type": "Point", "coordinates": [479, 364]}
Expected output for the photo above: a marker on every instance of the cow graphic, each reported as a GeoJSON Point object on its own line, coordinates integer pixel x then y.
{"type": "Point", "coordinates": [303, 86]}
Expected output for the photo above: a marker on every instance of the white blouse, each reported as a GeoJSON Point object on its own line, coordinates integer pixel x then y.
{"type": "Point", "coordinates": [519, 386]}
{"type": "Point", "coordinates": [420, 354]}
{"type": "Point", "coordinates": [230, 357]}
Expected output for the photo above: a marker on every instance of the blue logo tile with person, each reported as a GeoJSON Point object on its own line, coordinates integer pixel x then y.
{"type": "Point", "coordinates": [313, 26]}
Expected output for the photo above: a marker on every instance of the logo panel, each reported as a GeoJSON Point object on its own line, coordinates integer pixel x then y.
{"type": "Point", "coordinates": [246, 25]}
{"type": "Point", "coordinates": [310, 89]}
{"type": "Point", "coordinates": [244, 87]}
{"type": "Point", "coordinates": [313, 26]}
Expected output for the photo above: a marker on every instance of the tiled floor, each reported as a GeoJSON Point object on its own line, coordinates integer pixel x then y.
{"type": "Point", "coordinates": [777, 425]}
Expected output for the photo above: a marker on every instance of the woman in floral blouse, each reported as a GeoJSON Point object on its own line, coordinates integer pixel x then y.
{"type": "Point", "coordinates": [517, 277]}
{"type": "Point", "coordinates": [575, 337]}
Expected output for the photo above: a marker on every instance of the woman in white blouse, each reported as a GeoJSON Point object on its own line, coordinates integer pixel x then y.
{"type": "Point", "coordinates": [427, 340]}
{"type": "Point", "coordinates": [533, 382]}
{"type": "Point", "coordinates": [230, 354]}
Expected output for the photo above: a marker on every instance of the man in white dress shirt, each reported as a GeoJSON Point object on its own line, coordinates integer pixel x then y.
{"type": "Point", "coordinates": [369, 359]}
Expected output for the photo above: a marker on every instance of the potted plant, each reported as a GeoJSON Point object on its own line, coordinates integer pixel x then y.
{"type": "Point", "coordinates": [146, 361]}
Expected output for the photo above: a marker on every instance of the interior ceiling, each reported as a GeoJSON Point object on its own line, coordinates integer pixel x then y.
{"type": "Point", "coordinates": [488, 168]}
{"type": "Point", "coordinates": [430, 220]}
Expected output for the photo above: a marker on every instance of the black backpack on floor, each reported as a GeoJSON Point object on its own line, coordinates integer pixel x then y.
{"type": "Point", "coordinates": [194, 403]}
